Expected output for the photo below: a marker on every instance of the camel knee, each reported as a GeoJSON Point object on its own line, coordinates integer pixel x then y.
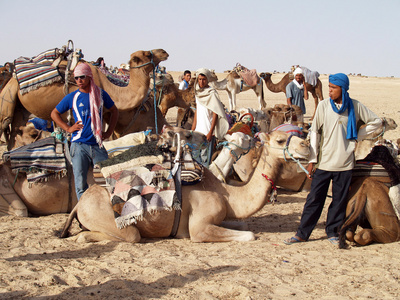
{"type": "Point", "coordinates": [350, 236]}
{"type": "Point", "coordinates": [364, 237]}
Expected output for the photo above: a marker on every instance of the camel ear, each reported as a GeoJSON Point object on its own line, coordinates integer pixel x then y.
{"type": "Point", "coordinates": [19, 130]}
{"type": "Point", "coordinates": [188, 134]}
{"type": "Point", "coordinates": [171, 133]}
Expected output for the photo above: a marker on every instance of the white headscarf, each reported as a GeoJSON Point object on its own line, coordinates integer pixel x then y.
{"type": "Point", "coordinates": [295, 72]}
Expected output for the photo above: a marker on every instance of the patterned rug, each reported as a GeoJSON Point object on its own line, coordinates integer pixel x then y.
{"type": "Point", "coordinates": [36, 72]}
{"type": "Point", "coordinates": [40, 160]}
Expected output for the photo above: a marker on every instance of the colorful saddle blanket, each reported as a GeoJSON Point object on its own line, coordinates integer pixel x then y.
{"type": "Point", "coordinates": [249, 77]}
{"type": "Point", "coordinates": [39, 160]}
{"type": "Point", "coordinates": [139, 183]}
{"type": "Point", "coordinates": [36, 72]}
{"type": "Point", "coordinates": [119, 80]}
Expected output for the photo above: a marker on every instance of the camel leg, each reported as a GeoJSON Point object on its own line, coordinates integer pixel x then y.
{"type": "Point", "coordinates": [96, 236]}
{"type": "Point", "coordinates": [380, 235]}
{"type": "Point", "coordinates": [235, 225]}
{"type": "Point", "coordinates": [213, 233]}
{"type": "Point", "coordinates": [315, 102]}
{"type": "Point", "coordinates": [232, 102]}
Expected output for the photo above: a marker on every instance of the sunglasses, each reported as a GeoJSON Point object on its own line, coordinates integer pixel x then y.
{"type": "Point", "coordinates": [83, 77]}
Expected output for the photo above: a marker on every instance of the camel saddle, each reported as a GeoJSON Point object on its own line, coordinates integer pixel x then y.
{"type": "Point", "coordinates": [249, 77]}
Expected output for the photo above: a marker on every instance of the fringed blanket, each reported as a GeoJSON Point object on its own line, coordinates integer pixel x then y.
{"type": "Point", "coordinates": [39, 160]}
{"type": "Point", "coordinates": [141, 190]}
{"type": "Point", "coordinates": [139, 183]}
{"type": "Point", "coordinates": [36, 72]}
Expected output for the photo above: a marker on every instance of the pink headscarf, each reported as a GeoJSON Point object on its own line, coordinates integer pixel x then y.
{"type": "Point", "coordinates": [95, 101]}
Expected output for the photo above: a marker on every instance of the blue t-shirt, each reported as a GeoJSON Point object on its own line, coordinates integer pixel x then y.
{"type": "Point", "coordinates": [79, 103]}
{"type": "Point", "coordinates": [297, 95]}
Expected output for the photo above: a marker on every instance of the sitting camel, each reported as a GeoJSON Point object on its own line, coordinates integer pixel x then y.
{"type": "Point", "coordinates": [372, 205]}
{"type": "Point", "coordinates": [233, 84]}
{"type": "Point", "coordinates": [205, 206]}
{"type": "Point", "coordinates": [279, 87]}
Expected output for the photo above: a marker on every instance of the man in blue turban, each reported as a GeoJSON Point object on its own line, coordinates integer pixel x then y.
{"type": "Point", "coordinates": [333, 137]}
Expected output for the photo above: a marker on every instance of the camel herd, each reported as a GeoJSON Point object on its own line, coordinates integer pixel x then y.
{"type": "Point", "coordinates": [260, 164]}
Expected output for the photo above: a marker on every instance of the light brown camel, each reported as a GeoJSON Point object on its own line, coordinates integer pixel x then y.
{"type": "Point", "coordinates": [205, 206]}
{"type": "Point", "coordinates": [279, 87]}
{"type": "Point", "coordinates": [51, 197]}
{"type": "Point", "coordinates": [233, 85]}
{"type": "Point", "coordinates": [127, 99]}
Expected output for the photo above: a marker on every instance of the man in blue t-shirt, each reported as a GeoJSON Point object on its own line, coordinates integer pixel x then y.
{"type": "Point", "coordinates": [86, 143]}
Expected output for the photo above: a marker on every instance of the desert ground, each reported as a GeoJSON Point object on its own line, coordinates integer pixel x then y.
{"type": "Point", "coordinates": [36, 264]}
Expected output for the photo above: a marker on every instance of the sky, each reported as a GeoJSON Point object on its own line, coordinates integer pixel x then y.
{"type": "Point", "coordinates": [346, 36]}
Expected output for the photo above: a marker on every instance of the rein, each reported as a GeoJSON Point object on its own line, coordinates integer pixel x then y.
{"type": "Point", "coordinates": [154, 88]}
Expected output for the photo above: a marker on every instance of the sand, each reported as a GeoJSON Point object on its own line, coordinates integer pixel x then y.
{"type": "Point", "coordinates": [35, 263]}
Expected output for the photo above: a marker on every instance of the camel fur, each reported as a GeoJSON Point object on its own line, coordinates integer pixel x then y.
{"type": "Point", "coordinates": [316, 91]}
{"type": "Point", "coordinates": [205, 206]}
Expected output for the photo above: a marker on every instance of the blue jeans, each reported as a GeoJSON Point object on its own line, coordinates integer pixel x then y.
{"type": "Point", "coordinates": [83, 156]}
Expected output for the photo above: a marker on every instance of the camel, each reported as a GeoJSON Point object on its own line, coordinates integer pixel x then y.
{"type": "Point", "coordinates": [370, 203]}
{"type": "Point", "coordinates": [316, 90]}
{"type": "Point", "coordinates": [170, 95]}
{"type": "Point", "coordinates": [233, 85]}
{"type": "Point", "coordinates": [205, 206]}
{"type": "Point", "coordinates": [45, 198]}
{"type": "Point", "coordinates": [127, 99]}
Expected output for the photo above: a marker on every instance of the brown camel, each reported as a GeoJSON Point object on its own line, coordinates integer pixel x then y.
{"type": "Point", "coordinates": [372, 205]}
{"type": "Point", "coordinates": [205, 206]}
{"type": "Point", "coordinates": [127, 99]}
{"type": "Point", "coordinates": [279, 87]}
{"type": "Point", "coordinates": [233, 85]}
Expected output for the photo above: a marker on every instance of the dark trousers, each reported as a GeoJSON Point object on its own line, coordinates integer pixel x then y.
{"type": "Point", "coordinates": [316, 200]}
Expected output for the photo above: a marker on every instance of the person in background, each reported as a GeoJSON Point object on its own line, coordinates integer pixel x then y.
{"type": "Point", "coordinates": [333, 139]}
{"type": "Point", "coordinates": [187, 75]}
{"type": "Point", "coordinates": [296, 92]}
{"type": "Point", "coordinates": [210, 118]}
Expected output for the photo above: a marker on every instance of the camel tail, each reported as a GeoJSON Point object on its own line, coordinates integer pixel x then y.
{"type": "Point", "coordinates": [72, 215]}
{"type": "Point", "coordinates": [355, 216]}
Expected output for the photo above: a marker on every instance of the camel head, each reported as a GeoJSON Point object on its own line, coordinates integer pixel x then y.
{"type": "Point", "coordinates": [166, 138]}
{"type": "Point", "coordinates": [146, 58]}
{"type": "Point", "coordinates": [239, 142]}
{"type": "Point", "coordinates": [283, 146]}
{"type": "Point", "coordinates": [5, 75]}
{"type": "Point", "coordinates": [265, 76]}
{"type": "Point", "coordinates": [29, 134]}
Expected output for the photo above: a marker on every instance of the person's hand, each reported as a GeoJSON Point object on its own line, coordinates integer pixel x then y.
{"type": "Point", "coordinates": [310, 170]}
{"type": "Point", "coordinates": [76, 127]}
{"type": "Point", "coordinates": [209, 137]}
{"type": "Point", "coordinates": [105, 135]}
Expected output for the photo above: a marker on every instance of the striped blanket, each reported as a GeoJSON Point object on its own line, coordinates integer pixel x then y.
{"type": "Point", "coordinates": [36, 72]}
{"type": "Point", "coordinates": [40, 160]}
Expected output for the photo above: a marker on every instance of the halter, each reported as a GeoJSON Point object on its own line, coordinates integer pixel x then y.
{"type": "Point", "coordinates": [382, 133]}
{"type": "Point", "coordinates": [154, 88]}
{"type": "Point", "coordinates": [226, 144]}
{"type": "Point", "coordinates": [286, 150]}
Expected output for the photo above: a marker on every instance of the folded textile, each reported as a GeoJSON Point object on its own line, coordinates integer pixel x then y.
{"type": "Point", "coordinates": [311, 77]}
{"type": "Point", "coordinates": [36, 72]}
{"type": "Point", "coordinates": [40, 160]}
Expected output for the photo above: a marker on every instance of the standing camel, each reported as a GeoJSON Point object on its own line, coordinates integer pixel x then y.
{"type": "Point", "coordinates": [205, 206]}
{"type": "Point", "coordinates": [233, 85]}
{"type": "Point", "coordinates": [42, 101]}
{"type": "Point", "coordinates": [279, 87]}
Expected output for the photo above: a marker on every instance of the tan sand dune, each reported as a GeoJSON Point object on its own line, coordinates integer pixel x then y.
{"type": "Point", "coordinates": [35, 263]}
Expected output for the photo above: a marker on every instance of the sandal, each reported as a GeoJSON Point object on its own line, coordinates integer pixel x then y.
{"type": "Point", "coordinates": [292, 240]}
{"type": "Point", "coordinates": [334, 240]}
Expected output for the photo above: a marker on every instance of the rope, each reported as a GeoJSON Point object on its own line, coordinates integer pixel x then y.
{"type": "Point", "coordinates": [154, 92]}
{"type": "Point", "coordinates": [382, 133]}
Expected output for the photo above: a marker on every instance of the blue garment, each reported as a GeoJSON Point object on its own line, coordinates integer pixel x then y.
{"type": "Point", "coordinates": [81, 112]}
{"type": "Point", "coordinates": [41, 124]}
{"type": "Point", "coordinates": [83, 156]}
{"type": "Point", "coordinates": [342, 80]}
{"type": "Point", "coordinates": [296, 95]}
